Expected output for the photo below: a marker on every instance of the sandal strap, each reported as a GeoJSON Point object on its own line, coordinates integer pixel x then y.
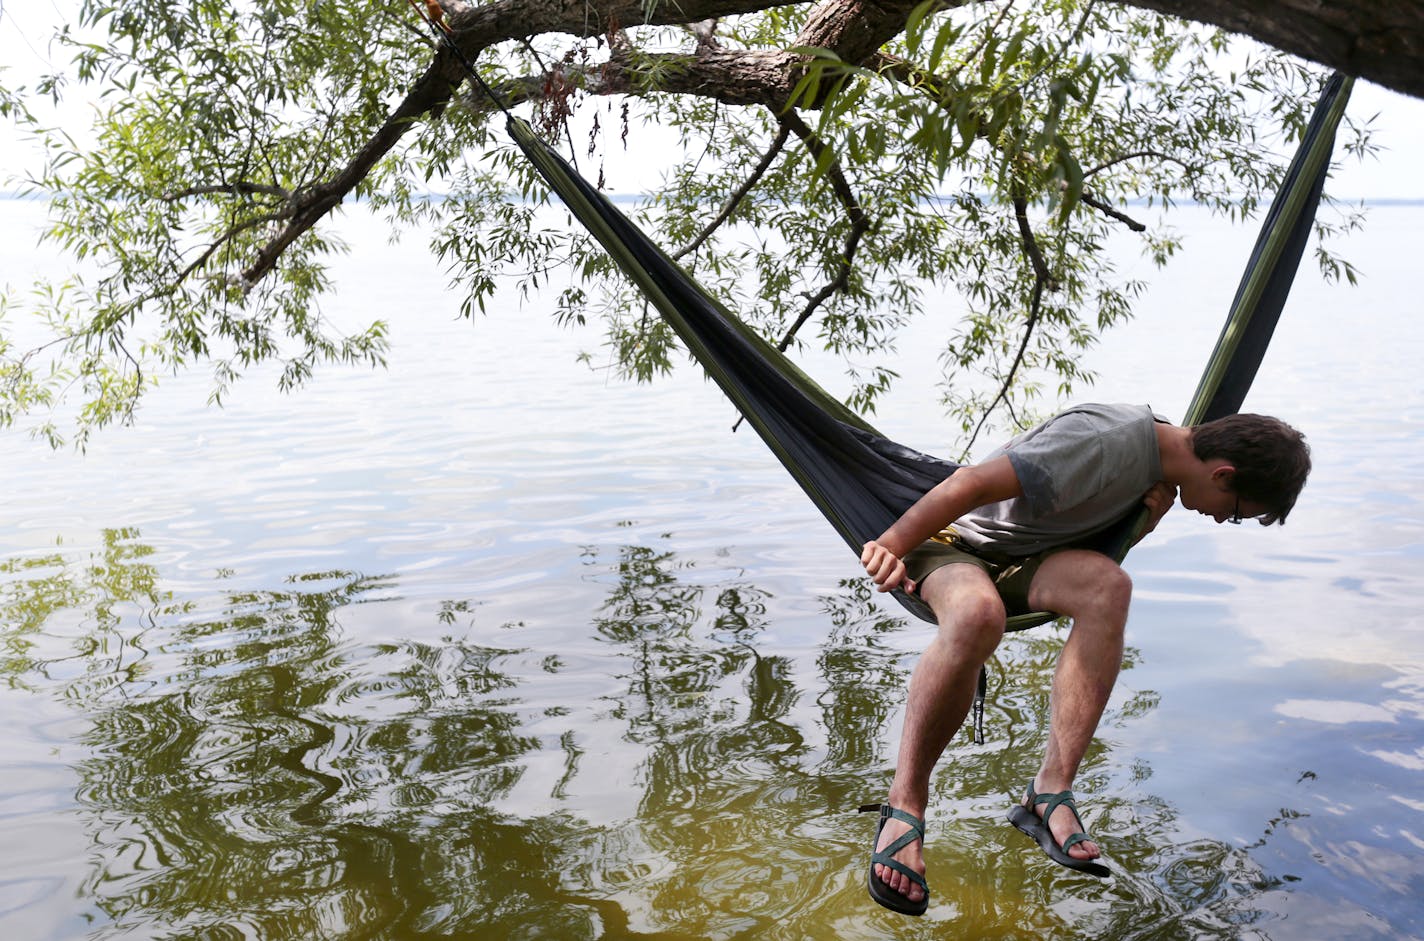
{"type": "Point", "coordinates": [1053, 802]}
{"type": "Point", "coordinates": [882, 859]}
{"type": "Point", "coordinates": [887, 812]}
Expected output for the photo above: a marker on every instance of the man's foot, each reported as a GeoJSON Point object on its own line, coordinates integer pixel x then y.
{"type": "Point", "coordinates": [1064, 824]}
{"type": "Point", "coordinates": [912, 855]}
{"type": "Point", "coordinates": [896, 879]}
{"type": "Point", "coordinates": [1062, 834]}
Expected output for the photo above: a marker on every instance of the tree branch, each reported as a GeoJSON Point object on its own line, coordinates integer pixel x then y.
{"type": "Point", "coordinates": [735, 199]}
{"type": "Point", "coordinates": [237, 188]}
{"type": "Point", "coordinates": [1041, 279]}
{"type": "Point", "coordinates": [1030, 244]}
{"type": "Point", "coordinates": [853, 29]}
{"type": "Point", "coordinates": [706, 33]}
{"type": "Point", "coordinates": [983, 40]}
{"type": "Point", "coordinates": [1133, 155]}
{"type": "Point", "coordinates": [1062, 48]}
{"type": "Point", "coordinates": [1109, 211]}
{"type": "Point", "coordinates": [231, 233]}
{"type": "Point", "coordinates": [859, 223]}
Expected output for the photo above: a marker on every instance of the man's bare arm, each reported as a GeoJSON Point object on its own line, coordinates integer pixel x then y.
{"type": "Point", "coordinates": [965, 490]}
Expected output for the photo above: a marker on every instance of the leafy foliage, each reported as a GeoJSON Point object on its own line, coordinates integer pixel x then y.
{"type": "Point", "coordinates": [991, 149]}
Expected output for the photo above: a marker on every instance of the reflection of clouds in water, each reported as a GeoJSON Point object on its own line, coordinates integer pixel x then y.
{"type": "Point", "coordinates": [1334, 711]}
{"type": "Point", "coordinates": [1313, 616]}
{"type": "Point", "coordinates": [1410, 762]}
{"type": "Point", "coordinates": [1334, 584]}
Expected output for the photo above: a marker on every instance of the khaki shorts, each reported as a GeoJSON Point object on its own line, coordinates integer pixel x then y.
{"type": "Point", "coordinates": [1011, 575]}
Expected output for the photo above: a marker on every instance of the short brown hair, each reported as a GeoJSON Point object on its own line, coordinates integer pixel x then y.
{"type": "Point", "coordinates": [1271, 459]}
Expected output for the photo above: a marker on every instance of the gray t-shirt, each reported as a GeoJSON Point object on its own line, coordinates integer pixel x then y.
{"type": "Point", "coordinates": [1080, 471]}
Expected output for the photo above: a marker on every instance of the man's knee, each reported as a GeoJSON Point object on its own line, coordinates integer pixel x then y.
{"type": "Point", "coordinates": [978, 613]}
{"type": "Point", "coordinates": [1080, 583]}
{"type": "Point", "coordinates": [1114, 591]}
{"type": "Point", "coordinates": [974, 627]}
{"type": "Point", "coordinates": [967, 607]}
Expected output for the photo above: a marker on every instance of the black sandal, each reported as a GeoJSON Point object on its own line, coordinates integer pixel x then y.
{"type": "Point", "coordinates": [1027, 820]}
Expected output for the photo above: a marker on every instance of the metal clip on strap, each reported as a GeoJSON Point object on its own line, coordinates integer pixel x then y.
{"type": "Point", "coordinates": [979, 693]}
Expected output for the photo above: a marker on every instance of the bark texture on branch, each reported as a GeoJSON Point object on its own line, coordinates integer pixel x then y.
{"type": "Point", "coordinates": [1381, 42]}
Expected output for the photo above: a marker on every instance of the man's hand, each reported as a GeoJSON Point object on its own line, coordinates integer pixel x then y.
{"type": "Point", "coordinates": [1158, 500]}
{"type": "Point", "coordinates": [884, 567]}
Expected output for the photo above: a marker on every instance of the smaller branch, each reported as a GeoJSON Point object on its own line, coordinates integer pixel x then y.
{"type": "Point", "coordinates": [23, 360]}
{"type": "Point", "coordinates": [1018, 422]}
{"type": "Point", "coordinates": [1109, 211]}
{"type": "Point", "coordinates": [226, 237]}
{"type": "Point", "coordinates": [706, 33]}
{"type": "Point", "coordinates": [1030, 244]}
{"type": "Point", "coordinates": [1033, 312]}
{"type": "Point", "coordinates": [859, 223]}
{"type": "Point", "coordinates": [735, 199]}
{"type": "Point", "coordinates": [984, 40]}
{"type": "Point", "coordinates": [790, 120]}
{"type": "Point", "coordinates": [1041, 278]}
{"type": "Point", "coordinates": [1058, 54]}
{"type": "Point", "coordinates": [316, 157]}
{"type": "Point", "coordinates": [513, 92]}
{"type": "Point", "coordinates": [238, 188]}
{"type": "Point", "coordinates": [620, 45]}
{"type": "Point", "coordinates": [304, 213]}
{"type": "Point", "coordinates": [936, 86]}
{"type": "Point", "coordinates": [95, 329]}
{"type": "Point", "coordinates": [711, 130]}
{"type": "Point", "coordinates": [131, 402]}
{"type": "Point", "coordinates": [1133, 155]}
{"type": "Point", "coordinates": [421, 36]}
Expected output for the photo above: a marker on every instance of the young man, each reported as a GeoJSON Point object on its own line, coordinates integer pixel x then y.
{"type": "Point", "coordinates": [997, 538]}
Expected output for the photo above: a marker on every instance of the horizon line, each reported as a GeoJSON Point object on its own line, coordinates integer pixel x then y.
{"type": "Point", "coordinates": [18, 196]}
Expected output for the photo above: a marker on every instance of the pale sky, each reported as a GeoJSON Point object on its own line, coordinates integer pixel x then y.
{"type": "Point", "coordinates": [25, 28]}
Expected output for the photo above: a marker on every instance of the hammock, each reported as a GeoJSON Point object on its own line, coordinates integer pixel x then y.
{"type": "Point", "coordinates": [860, 480]}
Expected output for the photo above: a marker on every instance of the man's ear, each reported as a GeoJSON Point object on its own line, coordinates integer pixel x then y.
{"type": "Point", "coordinates": [1223, 474]}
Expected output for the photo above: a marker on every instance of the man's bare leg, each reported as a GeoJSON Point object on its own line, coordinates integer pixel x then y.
{"type": "Point", "coordinates": [1095, 592]}
{"type": "Point", "coordinates": [971, 623]}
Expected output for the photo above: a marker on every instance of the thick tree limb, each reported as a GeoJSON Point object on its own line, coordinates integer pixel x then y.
{"type": "Point", "coordinates": [1382, 42]}
{"type": "Point", "coordinates": [854, 29]}
{"type": "Point", "coordinates": [433, 88]}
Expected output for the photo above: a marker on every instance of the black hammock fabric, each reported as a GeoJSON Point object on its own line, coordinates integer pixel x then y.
{"type": "Point", "coordinates": [860, 480]}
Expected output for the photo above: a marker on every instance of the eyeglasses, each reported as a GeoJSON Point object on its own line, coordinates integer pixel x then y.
{"type": "Point", "coordinates": [1235, 516]}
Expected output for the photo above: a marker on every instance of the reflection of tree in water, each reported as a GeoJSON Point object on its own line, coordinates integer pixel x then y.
{"type": "Point", "coordinates": [865, 683]}
{"type": "Point", "coordinates": [245, 770]}
{"type": "Point", "coordinates": [36, 588]}
{"type": "Point", "coordinates": [725, 762]}
{"type": "Point", "coordinates": [250, 773]}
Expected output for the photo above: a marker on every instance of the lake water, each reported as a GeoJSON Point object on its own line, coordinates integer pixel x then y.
{"type": "Point", "coordinates": [491, 646]}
